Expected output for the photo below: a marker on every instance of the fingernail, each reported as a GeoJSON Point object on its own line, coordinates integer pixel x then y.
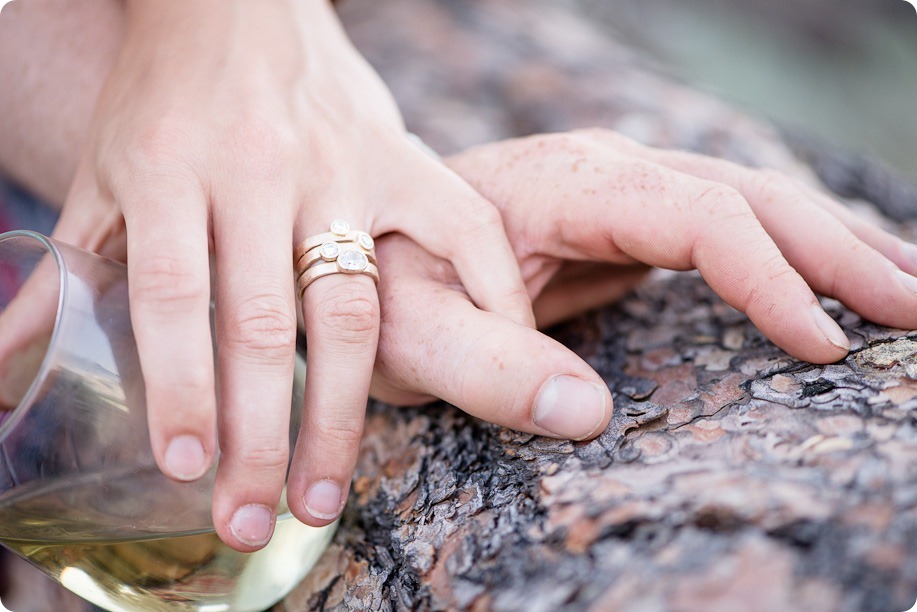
{"type": "Point", "coordinates": [570, 407]}
{"type": "Point", "coordinates": [185, 458]}
{"type": "Point", "coordinates": [909, 282]}
{"type": "Point", "coordinates": [826, 324]}
{"type": "Point", "coordinates": [323, 500]}
{"type": "Point", "coordinates": [252, 524]}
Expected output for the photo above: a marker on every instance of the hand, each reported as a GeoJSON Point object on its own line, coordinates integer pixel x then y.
{"type": "Point", "coordinates": [238, 129]}
{"type": "Point", "coordinates": [587, 213]}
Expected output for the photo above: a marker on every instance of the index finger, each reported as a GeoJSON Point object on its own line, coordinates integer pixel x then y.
{"type": "Point", "coordinates": [341, 314]}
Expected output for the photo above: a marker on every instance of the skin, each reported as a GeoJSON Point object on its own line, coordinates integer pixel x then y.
{"type": "Point", "coordinates": [750, 233]}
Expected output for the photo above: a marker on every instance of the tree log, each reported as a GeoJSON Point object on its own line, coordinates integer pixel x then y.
{"type": "Point", "coordinates": [732, 476]}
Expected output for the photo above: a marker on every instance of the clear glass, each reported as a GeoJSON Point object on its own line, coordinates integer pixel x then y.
{"type": "Point", "coordinates": [80, 494]}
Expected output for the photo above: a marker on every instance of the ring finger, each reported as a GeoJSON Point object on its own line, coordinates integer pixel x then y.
{"type": "Point", "coordinates": [341, 315]}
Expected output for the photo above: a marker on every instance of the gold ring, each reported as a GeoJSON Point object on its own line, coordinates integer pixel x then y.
{"type": "Point", "coordinates": [317, 271]}
{"type": "Point", "coordinates": [330, 251]}
{"type": "Point", "coordinates": [339, 232]}
{"type": "Point", "coordinates": [338, 251]}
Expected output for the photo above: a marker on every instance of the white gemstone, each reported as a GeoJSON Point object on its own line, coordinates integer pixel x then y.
{"type": "Point", "coordinates": [366, 241]}
{"type": "Point", "coordinates": [330, 250]}
{"type": "Point", "coordinates": [340, 227]}
{"type": "Point", "coordinates": [352, 261]}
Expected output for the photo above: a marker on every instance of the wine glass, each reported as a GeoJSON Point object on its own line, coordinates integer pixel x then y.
{"type": "Point", "coordinates": [81, 496]}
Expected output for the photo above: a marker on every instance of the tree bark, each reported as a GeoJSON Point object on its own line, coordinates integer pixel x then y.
{"type": "Point", "coordinates": [731, 477]}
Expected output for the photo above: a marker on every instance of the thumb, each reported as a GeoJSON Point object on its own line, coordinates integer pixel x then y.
{"type": "Point", "coordinates": [31, 291]}
{"type": "Point", "coordinates": [485, 364]}
{"type": "Point", "coordinates": [90, 218]}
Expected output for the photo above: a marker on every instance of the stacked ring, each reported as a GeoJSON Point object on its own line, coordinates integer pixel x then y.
{"type": "Point", "coordinates": [337, 251]}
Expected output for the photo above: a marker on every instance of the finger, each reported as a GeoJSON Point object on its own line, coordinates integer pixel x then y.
{"type": "Point", "coordinates": [457, 224]}
{"type": "Point", "coordinates": [91, 219]}
{"type": "Point", "coordinates": [838, 254]}
{"type": "Point", "coordinates": [639, 211]}
{"type": "Point", "coordinates": [256, 343]}
{"type": "Point", "coordinates": [744, 266]}
{"type": "Point", "coordinates": [169, 288]}
{"type": "Point", "coordinates": [579, 288]}
{"type": "Point", "coordinates": [341, 313]}
{"type": "Point", "coordinates": [900, 252]}
{"type": "Point", "coordinates": [28, 309]}
{"type": "Point", "coordinates": [481, 362]}
{"type": "Point", "coordinates": [829, 256]}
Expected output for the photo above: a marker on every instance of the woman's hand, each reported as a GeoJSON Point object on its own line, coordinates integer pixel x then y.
{"type": "Point", "coordinates": [237, 129]}
{"type": "Point", "coordinates": [587, 214]}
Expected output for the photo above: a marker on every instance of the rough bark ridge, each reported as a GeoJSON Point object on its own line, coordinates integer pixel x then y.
{"type": "Point", "coordinates": [732, 477]}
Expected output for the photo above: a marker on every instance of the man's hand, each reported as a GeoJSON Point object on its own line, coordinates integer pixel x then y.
{"type": "Point", "coordinates": [587, 214]}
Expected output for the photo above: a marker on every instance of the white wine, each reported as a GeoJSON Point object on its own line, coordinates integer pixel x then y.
{"type": "Point", "coordinates": [192, 572]}
{"type": "Point", "coordinates": [93, 552]}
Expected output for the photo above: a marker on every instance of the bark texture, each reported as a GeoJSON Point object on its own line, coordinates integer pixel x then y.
{"type": "Point", "coordinates": [732, 476]}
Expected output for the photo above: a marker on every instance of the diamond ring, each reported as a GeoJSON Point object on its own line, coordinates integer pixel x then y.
{"type": "Point", "coordinates": [337, 251]}
{"type": "Point", "coordinates": [339, 232]}
{"type": "Point", "coordinates": [331, 250]}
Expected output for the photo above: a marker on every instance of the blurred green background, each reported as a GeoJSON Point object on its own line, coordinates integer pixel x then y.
{"type": "Point", "coordinates": [845, 70]}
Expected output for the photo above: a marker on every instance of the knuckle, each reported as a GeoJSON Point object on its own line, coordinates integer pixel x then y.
{"type": "Point", "coordinates": [638, 176]}
{"type": "Point", "coordinates": [719, 211]}
{"type": "Point", "coordinates": [768, 184]}
{"type": "Point", "coordinates": [768, 179]}
{"type": "Point", "coordinates": [164, 282]}
{"type": "Point", "coordinates": [353, 311]}
{"type": "Point", "coordinates": [776, 269]}
{"type": "Point", "coordinates": [836, 272]}
{"type": "Point", "coordinates": [519, 295]}
{"type": "Point", "coordinates": [478, 217]}
{"type": "Point", "coordinates": [760, 296]}
{"type": "Point", "coordinates": [264, 323]}
{"type": "Point", "coordinates": [718, 201]}
{"type": "Point", "coordinates": [547, 150]}
{"type": "Point", "coordinates": [195, 382]}
{"type": "Point", "coordinates": [161, 146]}
{"type": "Point", "coordinates": [344, 434]}
{"type": "Point", "coordinates": [599, 136]}
{"type": "Point", "coordinates": [844, 240]}
{"type": "Point", "coordinates": [265, 454]}
{"type": "Point", "coordinates": [265, 149]}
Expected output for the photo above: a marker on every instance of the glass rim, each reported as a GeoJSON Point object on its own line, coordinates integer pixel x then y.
{"type": "Point", "coordinates": [16, 414]}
